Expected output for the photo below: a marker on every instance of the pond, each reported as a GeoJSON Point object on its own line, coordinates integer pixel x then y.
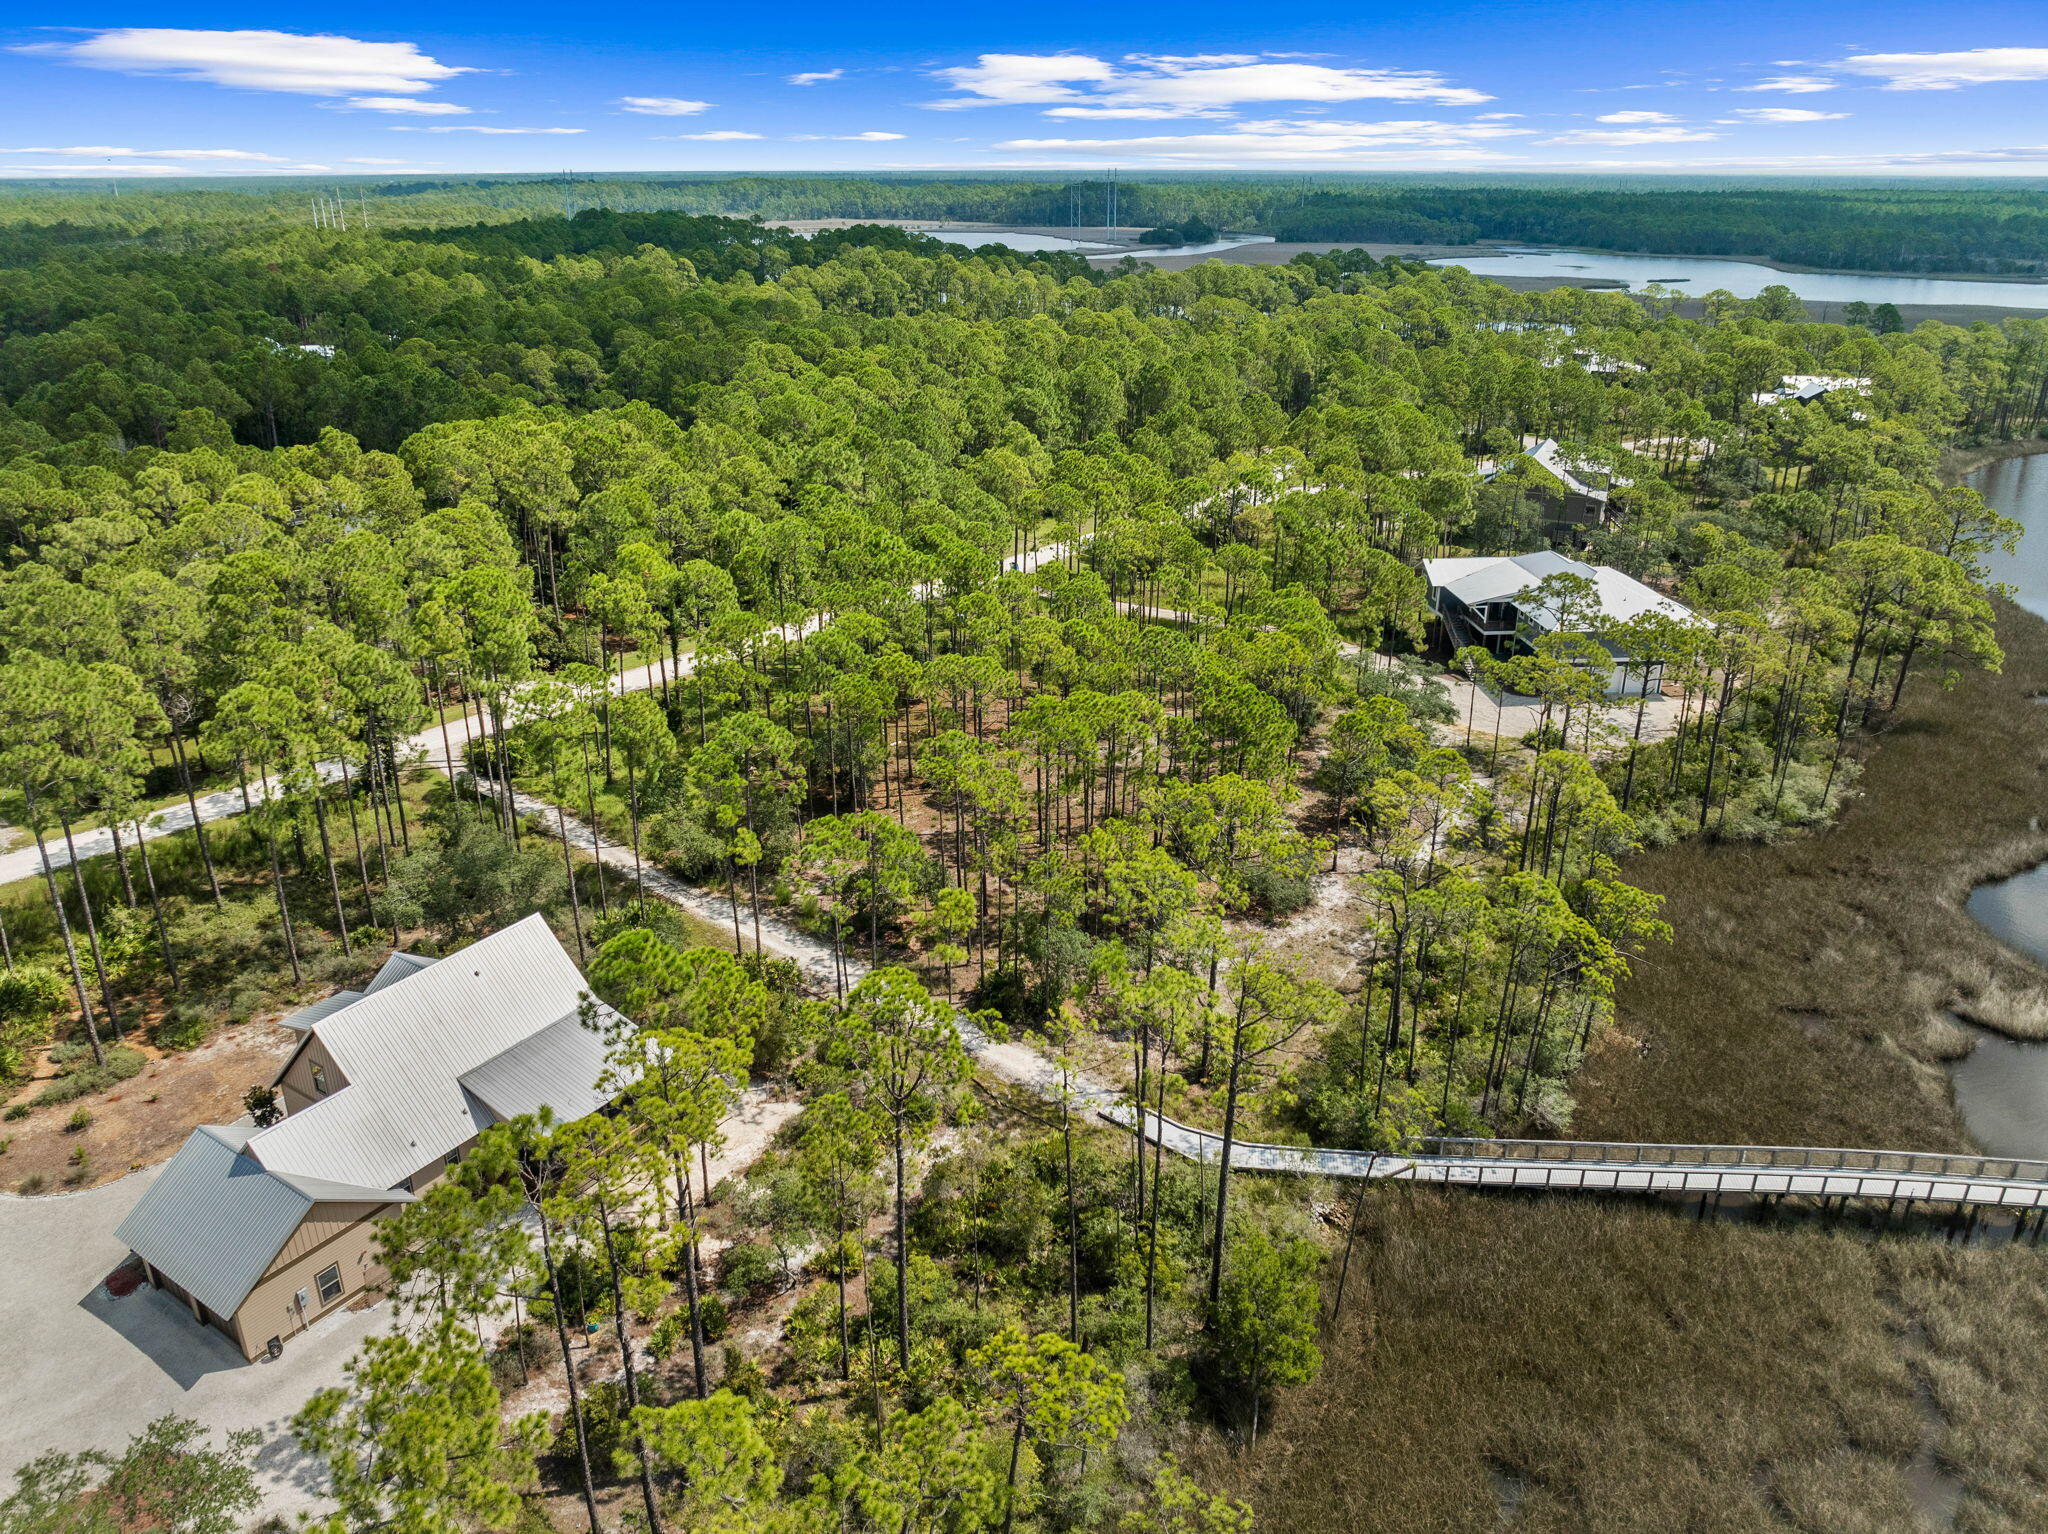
{"type": "Point", "coordinates": [2002, 1084]}
{"type": "Point", "coordinates": [1018, 242]}
{"type": "Point", "coordinates": [1745, 279]}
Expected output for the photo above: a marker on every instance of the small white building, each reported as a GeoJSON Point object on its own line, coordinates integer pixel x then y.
{"type": "Point", "coordinates": [1803, 388]}
{"type": "Point", "coordinates": [1484, 601]}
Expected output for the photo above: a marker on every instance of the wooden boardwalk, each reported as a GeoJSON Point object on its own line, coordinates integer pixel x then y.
{"type": "Point", "coordinates": [1579, 1166]}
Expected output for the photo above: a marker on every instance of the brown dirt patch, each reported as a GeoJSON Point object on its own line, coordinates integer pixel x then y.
{"type": "Point", "coordinates": [142, 1121]}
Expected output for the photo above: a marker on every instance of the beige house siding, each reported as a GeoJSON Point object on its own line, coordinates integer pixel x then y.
{"type": "Point", "coordinates": [344, 1235]}
{"type": "Point", "coordinates": [199, 1312]}
{"type": "Point", "coordinates": [297, 1080]}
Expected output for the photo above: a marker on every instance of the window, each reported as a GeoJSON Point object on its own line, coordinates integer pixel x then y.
{"type": "Point", "coordinates": [453, 1158]}
{"type": "Point", "coordinates": [329, 1280]}
{"type": "Point", "coordinates": [319, 1079]}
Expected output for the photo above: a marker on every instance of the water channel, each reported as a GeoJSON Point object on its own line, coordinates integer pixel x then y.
{"type": "Point", "coordinates": [1698, 275]}
{"type": "Point", "coordinates": [2002, 1084]}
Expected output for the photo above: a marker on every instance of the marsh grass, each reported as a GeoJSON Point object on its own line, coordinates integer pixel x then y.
{"type": "Point", "coordinates": [1798, 1002]}
{"type": "Point", "coordinates": [1628, 1369]}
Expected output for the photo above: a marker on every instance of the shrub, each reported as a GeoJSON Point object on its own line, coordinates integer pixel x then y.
{"type": "Point", "coordinates": [711, 1311]}
{"type": "Point", "coordinates": [749, 1269]}
{"type": "Point", "coordinates": [1410, 684]}
{"type": "Point", "coordinates": [33, 1184]}
{"type": "Point", "coordinates": [671, 1334]}
{"type": "Point", "coordinates": [31, 993]}
{"type": "Point", "coordinates": [80, 1120]}
{"type": "Point", "coordinates": [15, 1112]}
{"type": "Point", "coordinates": [183, 1029]}
{"type": "Point", "coordinates": [604, 1405]}
{"type": "Point", "coordinates": [84, 1078]}
{"type": "Point", "coordinates": [743, 1376]}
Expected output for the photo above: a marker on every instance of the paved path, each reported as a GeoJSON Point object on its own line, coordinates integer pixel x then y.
{"type": "Point", "coordinates": [1562, 1166]}
{"type": "Point", "coordinates": [438, 744]}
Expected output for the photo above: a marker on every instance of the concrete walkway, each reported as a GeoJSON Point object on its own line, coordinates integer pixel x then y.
{"type": "Point", "coordinates": [439, 743]}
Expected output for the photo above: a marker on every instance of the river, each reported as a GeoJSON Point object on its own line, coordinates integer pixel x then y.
{"type": "Point", "coordinates": [2002, 1084]}
{"type": "Point", "coordinates": [1696, 275]}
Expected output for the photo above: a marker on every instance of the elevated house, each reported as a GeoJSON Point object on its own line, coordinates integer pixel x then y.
{"type": "Point", "coordinates": [1487, 601]}
{"type": "Point", "coordinates": [261, 1232]}
{"type": "Point", "coordinates": [1575, 494]}
{"type": "Point", "coordinates": [1804, 388]}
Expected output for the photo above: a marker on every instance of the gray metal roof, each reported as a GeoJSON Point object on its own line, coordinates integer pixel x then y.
{"type": "Point", "coordinates": [399, 966]}
{"type": "Point", "coordinates": [405, 1047]}
{"type": "Point", "coordinates": [557, 1068]}
{"type": "Point", "coordinates": [303, 1020]}
{"type": "Point", "coordinates": [1496, 580]}
{"type": "Point", "coordinates": [214, 1218]}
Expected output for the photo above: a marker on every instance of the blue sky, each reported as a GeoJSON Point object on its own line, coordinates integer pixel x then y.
{"type": "Point", "coordinates": [1725, 86]}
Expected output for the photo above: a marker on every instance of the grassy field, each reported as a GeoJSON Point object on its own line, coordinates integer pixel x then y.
{"type": "Point", "coordinates": [1801, 1001]}
{"type": "Point", "coordinates": [1567, 1367]}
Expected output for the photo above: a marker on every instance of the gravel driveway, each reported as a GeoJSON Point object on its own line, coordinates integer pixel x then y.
{"type": "Point", "coordinates": [84, 1370]}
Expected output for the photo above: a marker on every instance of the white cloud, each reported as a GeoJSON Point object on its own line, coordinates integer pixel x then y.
{"type": "Point", "coordinates": [100, 171]}
{"type": "Point", "coordinates": [105, 152]}
{"type": "Point", "coordinates": [1496, 117]}
{"type": "Point", "coordinates": [1132, 114]}
{"type": "Point", "coordinates": [2021, 159]}
{"type": "Point", "coordinates": [312, 64]}
{"type": "Point", "coordinates": [817, 76]}
{"type": "Point", "coordinates": [1195, 60]}
{"type": "Point", "coordinates": [405, 104]}
{"type": "Point", "coordinates": [1290, 142]}
{"type": "Point", "coordinates": [1620, 136]}
{"type": "Point", "coordinates": [716, 136]}
{"type": "Point", "coordinates": [663, 106]}
{"type": "Point", "coordinates": [1779, 115]}
{"type": "Point", "coordinates": [870, 137]}
{"type": "Point", "coordinates": [1196, 84]}
{"type": "Point", "coordinates": [1947, 71]}
{"type": "Point", "coordinates": [1636, 117]}
{"type": "Point", "coordinates": [1791, 85]}
{"type": "Point", "coordinates": [1019, 79]}
{"type": "Point", "coordinates": [474, 128]}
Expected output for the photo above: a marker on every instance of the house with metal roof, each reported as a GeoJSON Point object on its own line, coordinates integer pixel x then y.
{"type": "Point", "coordinates": [1575, 492]}
{"type": "Point", "coordinates": [1804, 388]}
{"type": "Point", "coordinates": [261, 1231]}
{"type": "Point", "coordinates": [1490, 601]}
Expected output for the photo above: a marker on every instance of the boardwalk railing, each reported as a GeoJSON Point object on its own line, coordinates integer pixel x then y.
{"type": "Point", "coordinates": [1590, 1166]}
{"type": "Point", "coordinates": [1807, 1158]}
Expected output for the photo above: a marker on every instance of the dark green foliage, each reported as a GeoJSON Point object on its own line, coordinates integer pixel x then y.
{"type": "Point", "coordinates": [82, 1078]}
{"type": "Point", "coordinates": [169, 1478]}
{"type": "Point", "coordinates": [1889, 229]}
{"type": "Point", "coordinates": [748, 1269]}
{"type": "Point", "coordinates": [473, 880]}
{"type": "Point", "coordinates": [604, 1412]}
{"type": "Point", "coordinates": [182, 1029]}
